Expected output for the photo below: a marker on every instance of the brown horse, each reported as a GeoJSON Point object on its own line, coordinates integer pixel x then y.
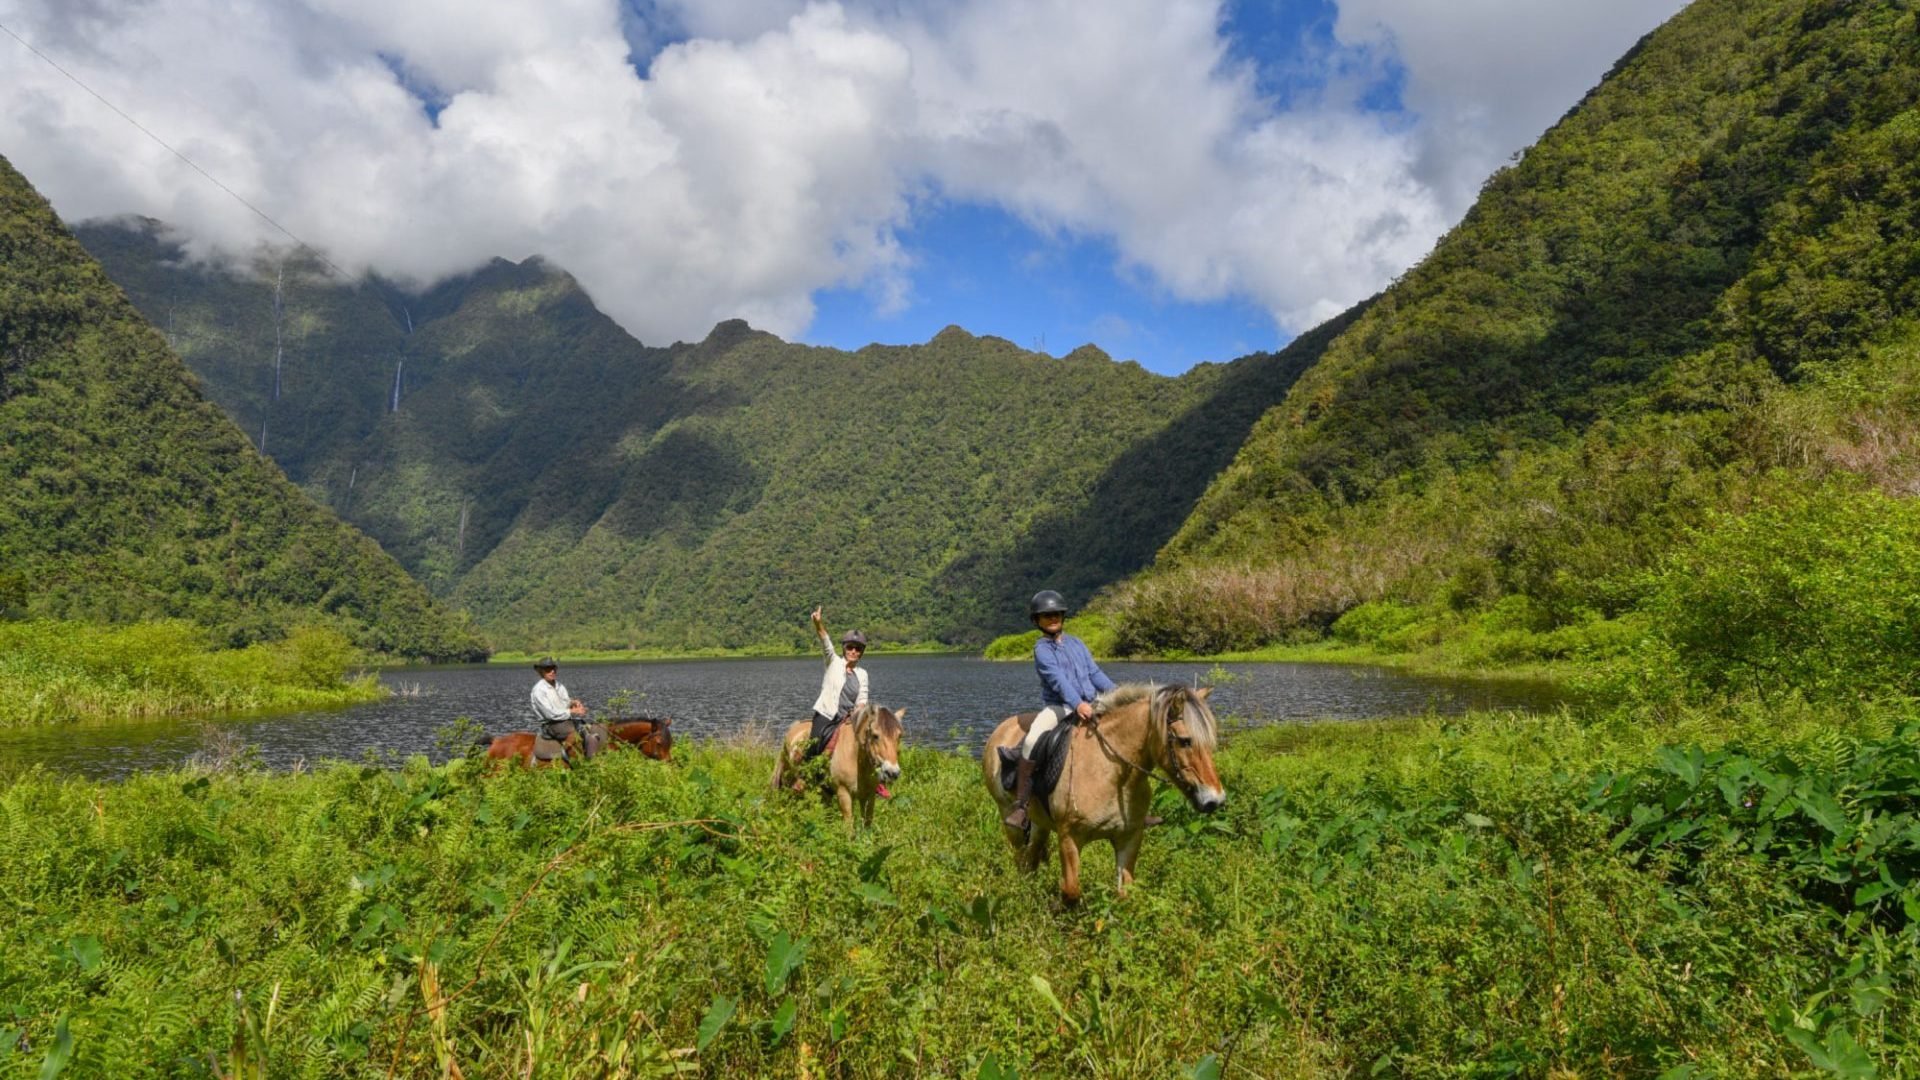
{"type": "Point", "coordinates": [1104, 788]}
{"type": "Point", "coordinates": [652, 736]}
{"type": "Point", "coordinates": [856, 766]}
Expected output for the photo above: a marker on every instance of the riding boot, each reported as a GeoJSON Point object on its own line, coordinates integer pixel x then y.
{"type": "Point", "coordinates": [1022, 791]}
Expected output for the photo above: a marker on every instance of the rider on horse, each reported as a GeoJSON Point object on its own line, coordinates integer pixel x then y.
{"type": "Point", "coordinates": [557, 715]}
{"type": "Point", "coordinates": [1069, 681]}
{"type": "Point", "coordinates": [843, 687]}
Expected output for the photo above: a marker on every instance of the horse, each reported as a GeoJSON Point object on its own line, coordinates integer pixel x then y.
{"type": "Point", "coordinates": [652, 736]}
{"type": "Point", "coordinates": [1104, 788]}
{"type": "Point", "coordinates": [855, 766]}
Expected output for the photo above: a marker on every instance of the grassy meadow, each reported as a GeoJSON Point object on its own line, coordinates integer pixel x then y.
{"type": "Point", "coordinates": [1645, 891]}
{"type": "Point", "coordinates": [56, 672]}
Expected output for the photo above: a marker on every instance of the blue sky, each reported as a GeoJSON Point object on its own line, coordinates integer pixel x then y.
{"type": "Point", "coordinates": [983, 268]}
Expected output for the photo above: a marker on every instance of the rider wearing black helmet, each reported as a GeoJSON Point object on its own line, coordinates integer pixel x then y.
{"type": "Point", "coordinates": [1069, 681]}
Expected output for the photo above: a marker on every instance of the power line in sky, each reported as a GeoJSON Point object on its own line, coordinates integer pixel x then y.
{"type": "Point", "coordinates": [212, 179]}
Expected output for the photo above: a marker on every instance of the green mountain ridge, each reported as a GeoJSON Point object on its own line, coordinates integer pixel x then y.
{"type": "Point", "coordinates": [572, 487]}
{"type": "Point", "coordinates": [127, 496]}
{"type": "Point", "coordinates": [1696, 293]}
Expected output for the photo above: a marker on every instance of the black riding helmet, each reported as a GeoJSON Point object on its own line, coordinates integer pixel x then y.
{"type": "Point", "coordinates": [854, 637]}
{"type": "Point", "coordinates": [545, 663]}
{"type": "Point", "coordinates": [1046, 602]}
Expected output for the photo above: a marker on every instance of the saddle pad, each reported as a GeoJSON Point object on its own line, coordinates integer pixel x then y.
{"type": "Point", "coordinates": [545, 749]}
{"type": "Point", "coordinates": [1049, 760]}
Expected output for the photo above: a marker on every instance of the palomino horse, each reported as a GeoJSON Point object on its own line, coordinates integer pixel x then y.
{"type": "Point", "coordinates": [857, 765]}
{"type": "Point", "coordinates": [1104, 788]}
{"type": "Point", "coordinates": [652, 736]}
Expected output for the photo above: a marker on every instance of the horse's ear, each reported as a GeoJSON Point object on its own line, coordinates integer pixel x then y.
{"type": "Point", "coordinates": [900, 716]}
{"type": "Point", "coordinates": [1203, 693]}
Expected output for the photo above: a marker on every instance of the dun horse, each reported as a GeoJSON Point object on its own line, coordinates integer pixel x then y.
{"type": "Point", "coordinates": [652, 736]}
{"type": "Point", "coordinates": [856, 766]}
{"type": "Point", "coordinates": [1104, 789]}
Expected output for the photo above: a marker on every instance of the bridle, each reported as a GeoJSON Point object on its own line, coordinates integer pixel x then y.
{"type": "Point", "coordinates": [1175, 773]}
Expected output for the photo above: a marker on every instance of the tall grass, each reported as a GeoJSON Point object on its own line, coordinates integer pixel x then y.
{"type": "Point", "coordinates": [1462, 897]}
{"type": "Point", "coordinates": [54, 671]}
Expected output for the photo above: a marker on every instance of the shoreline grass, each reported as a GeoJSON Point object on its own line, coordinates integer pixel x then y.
{"type": "Point", "coordinates": [1397, 897]}
{"type": "Point", "coordinates": [1434, 662]}
{"type": "Point", "coordinates": [716, 652]}
{"type": "Point", "coordinates": [60, 672]}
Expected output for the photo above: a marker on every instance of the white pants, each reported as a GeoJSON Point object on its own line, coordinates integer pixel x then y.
{"type": "Point", "coordinates": [1048, 719]}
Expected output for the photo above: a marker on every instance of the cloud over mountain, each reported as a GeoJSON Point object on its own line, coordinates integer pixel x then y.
{"type": "Point", "coordinates": [693, 162]}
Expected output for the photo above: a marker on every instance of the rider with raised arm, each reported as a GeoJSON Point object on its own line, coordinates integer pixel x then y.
{"type": "Point", "coordinates": [1069, 681]}
{"type": "Point", "coordinates": [843, 687]}
{"type": "Point", "coordinates": [557, 716]}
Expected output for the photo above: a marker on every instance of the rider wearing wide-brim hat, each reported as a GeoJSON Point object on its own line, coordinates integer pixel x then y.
{"type": "Point", "coordinates": [555, 713]}
{"type": "Point", "coordinates": [1069, 683]}
{"type": "Point", "coordinates": [843, 686]}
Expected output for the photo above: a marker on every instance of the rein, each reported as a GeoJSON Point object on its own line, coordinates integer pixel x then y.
{"type": "Point", "coordinates": [1173, 765]}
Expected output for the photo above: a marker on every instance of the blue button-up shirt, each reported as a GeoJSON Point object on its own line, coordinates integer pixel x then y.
{"type": "Point", "coordinates": [1068, 675]}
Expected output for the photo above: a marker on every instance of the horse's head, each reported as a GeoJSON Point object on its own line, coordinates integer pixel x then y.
{"type": "Point", "coordinates": [879, 731]}
{"type": "Point", "coordinates": [1185, 721]}
{"type": "Point", "coordinates": [653, 736]}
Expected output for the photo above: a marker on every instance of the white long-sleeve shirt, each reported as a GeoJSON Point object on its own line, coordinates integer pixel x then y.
{"type": "Point", "coordinates": [550, 701]}
{"type": "Point", "coordinates": [828, 703]}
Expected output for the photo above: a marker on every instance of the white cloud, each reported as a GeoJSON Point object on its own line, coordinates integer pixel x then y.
{"type": "Point", "coordinates": [781, 147]}
{"type": "Point", "coordinates": [1487, 77]}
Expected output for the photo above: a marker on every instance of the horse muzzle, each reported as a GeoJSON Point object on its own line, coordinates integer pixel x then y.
{"type": "Point", "coordinates": [889, 771]}
{"type": "Point", "coordinates": [1208, 799]}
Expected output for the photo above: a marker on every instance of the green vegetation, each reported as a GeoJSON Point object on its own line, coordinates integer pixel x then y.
{"type": "Point", "coordinates": [53, 672]}
{"type": "Point", "coordinates": [124, 495]}
{"type": "Point", "coordinates": [1691, 301]}
{"type": "Point", "coordinates": [1729, 888]}
{"type": "Point", "coordinates": [575, 489]}
{"type": "Point", "coordinates": [1095, 630]}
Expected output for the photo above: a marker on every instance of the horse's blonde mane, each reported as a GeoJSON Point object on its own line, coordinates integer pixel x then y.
{"type": "Point", "coordinates": [1122, 695]}
{"type": "Point", "coordinates": [889, 725]}
{"type": "Point", "coordinates": [1195, 712]}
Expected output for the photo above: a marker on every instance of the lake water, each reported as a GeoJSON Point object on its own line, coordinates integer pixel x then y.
{"type": "Point", "coordinates": [951, 701]}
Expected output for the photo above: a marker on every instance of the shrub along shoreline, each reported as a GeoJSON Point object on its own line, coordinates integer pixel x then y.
{"type": "Point", "coordinates": [1638, 890]}
{"type": "Point", "coordinates": [55, 672]}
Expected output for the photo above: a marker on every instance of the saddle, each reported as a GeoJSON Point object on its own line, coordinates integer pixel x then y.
{"type": "Point", "coordinates": [593, 735]}
{"type": "Point", "coordinates": [1049, 757]}
{"type": "Point", "coordinates": [817, 748]}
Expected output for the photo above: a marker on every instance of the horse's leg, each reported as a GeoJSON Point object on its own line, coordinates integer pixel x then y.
{"type": "Point", "coordinates": [1125, 851]}
{"type": "Point", "coordinates": [845, 798]}
{"type": "Point", "coordinates": [1033, 850]}
{"type": "Point", "coordinates": [1069, 869]}
{"type": "Point", "coordinates": [866, 809]}
{"type": "Point", "coordinates": [780, 768]}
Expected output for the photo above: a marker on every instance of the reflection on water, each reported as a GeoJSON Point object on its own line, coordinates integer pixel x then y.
{"type": "Point", "coordinates": [951, 701]}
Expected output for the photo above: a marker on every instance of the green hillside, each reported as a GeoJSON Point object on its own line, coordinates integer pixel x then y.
{"type": "Point", "coordinates": [572, 487]}
{"type": "Point", "coordinates": [1693, 300]}
{"type": "Point", "coordinates": [124, 495]}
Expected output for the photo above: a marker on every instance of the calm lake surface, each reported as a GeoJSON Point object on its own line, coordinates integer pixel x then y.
{"type": "Point", "coordinates": [951, 701]}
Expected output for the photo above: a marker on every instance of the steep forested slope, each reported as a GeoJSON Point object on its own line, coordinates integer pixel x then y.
{"type": "Point", "coordinates": [525, 457]}
{"type": "Point", "coordinates": [1689, 296]}
{"type": "Point", "coordinates": [125, 495]}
